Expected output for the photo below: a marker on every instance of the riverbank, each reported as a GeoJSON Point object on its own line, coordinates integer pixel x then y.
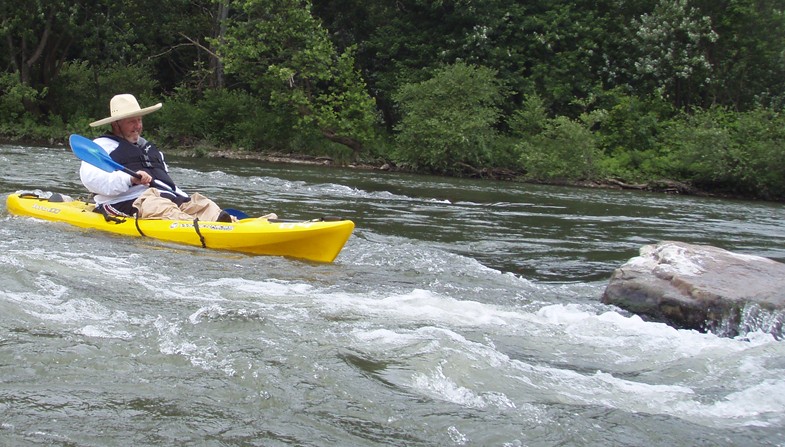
{"type": "Point", "coordinates": [665, 186]}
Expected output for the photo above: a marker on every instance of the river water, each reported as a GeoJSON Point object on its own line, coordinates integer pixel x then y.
{"type": "Point", "coordinates": [460, 313]}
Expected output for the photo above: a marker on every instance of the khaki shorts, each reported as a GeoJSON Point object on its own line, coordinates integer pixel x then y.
{"type": "Point", "coordinates": [152, 206]}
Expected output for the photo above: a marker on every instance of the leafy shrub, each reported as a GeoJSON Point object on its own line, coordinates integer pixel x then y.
{"type": "Point", "coordinates": [13, 95]}
{"type": "Point", "coordinates": [735, 152]}
{"type": "Point", "coordinates": [72, 93]}
{"type": "Point", "coordinates": [222, 117]}
{"type": "Point", "coordinates": [531, 119]}
{"type": "Point", "coordinates": [629, 131]}
{"type": "Point", "coordinates": [565, 149]}
{"type": "Point", "coordinates": [239, 118]}
{"type": "Point", "coordinates": [180, 122]}
{"type": "Point", "coordinates": [448, 121]}
{"type": "Point", "coordinates": [134, 79]}
{"type": "Point", "coordinates": [762, 131]}
{"type": "Point", "coordinates": [633, 124]}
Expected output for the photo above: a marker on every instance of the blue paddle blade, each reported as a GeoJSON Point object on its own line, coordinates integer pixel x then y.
{"type": "Point", "coordinates": [89, 151]}
{"type": "Point", "coordinates": [236, 213]}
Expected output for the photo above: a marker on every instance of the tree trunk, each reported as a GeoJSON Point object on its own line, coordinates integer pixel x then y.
{"type": "Point", "coordinates": [351, 143]}
{"type": "Point", "coordinates": [215, 61]}
{"type": "Point", "coordinates": [26, 64]}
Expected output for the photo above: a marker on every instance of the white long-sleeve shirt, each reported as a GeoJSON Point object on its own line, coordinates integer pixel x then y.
{"type": "Point", "coordinates": [109, 187]}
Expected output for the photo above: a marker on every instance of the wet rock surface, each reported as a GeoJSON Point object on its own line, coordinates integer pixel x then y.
{"type": "Point", "coordinates": [701, 287]}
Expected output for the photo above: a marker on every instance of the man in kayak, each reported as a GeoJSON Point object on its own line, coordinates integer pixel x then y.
{"type": "Point", "coordinates": [152, 196]}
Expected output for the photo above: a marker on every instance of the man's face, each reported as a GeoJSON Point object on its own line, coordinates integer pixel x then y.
{"type": "Point", "coordinates": [129, 128]}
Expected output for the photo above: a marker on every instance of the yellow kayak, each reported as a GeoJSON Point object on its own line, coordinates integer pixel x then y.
{"type": "Point", "coordinates": [314, 240]}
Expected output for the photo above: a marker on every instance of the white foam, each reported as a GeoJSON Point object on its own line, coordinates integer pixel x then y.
{"type": "Point", "coordinates": [767, 398]}
{"type": "Point", "coordinates": [439, 357]}
{"type": "Point", "coordinates": [203, 355]}
{"type": "Point", "coordinates": [104, 332]}
{"type": "Point", "coordinates": [268, 287]}
{"type": "Point", "coordinates": [437, 384]}
{"type": "Point", "coordinates": [421, 305]}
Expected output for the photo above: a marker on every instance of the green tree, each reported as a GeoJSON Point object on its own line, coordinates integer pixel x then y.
{"type": "Point", "coordinates": [673, 51]}
{"type": "Point", "coordinates": [448, 121]}
{"type": "Point", "coordinates": [175, 41]}
{"type": "Point", "coordinates": [748, 58]}
{"type": "Point", "coordinates": [282, 52]}
{"type": "Point", "coordinates": [558, 50]}
{"type": "Point", "coordinates": [40, 38]}
{"type": "Point", "coordinates": [35, 36]}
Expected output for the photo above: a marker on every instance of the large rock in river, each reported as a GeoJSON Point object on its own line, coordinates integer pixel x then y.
{"type": "Point", "coordinates": [701, 287]}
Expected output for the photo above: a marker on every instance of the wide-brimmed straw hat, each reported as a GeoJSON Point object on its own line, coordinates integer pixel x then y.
{"type": "Point", "coordinates": [124, 106]}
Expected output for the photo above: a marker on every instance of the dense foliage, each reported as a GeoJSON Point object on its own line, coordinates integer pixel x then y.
{"type": "Point", "coordinates": [557, 91]}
